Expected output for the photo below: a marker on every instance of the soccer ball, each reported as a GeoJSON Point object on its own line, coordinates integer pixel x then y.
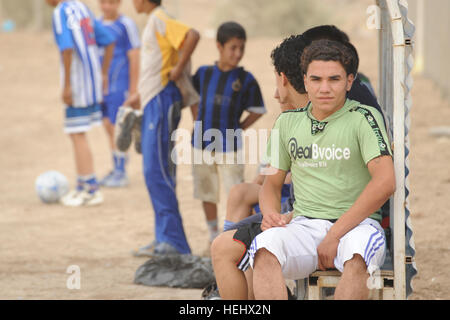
{"type": "Point", "coordinates": [51, 186]}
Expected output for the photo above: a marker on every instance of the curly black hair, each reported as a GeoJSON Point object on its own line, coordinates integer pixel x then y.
{"type": "Point", "coordinates": [286, 58]}
{"type": "Point", "coordinates": [329, 32]}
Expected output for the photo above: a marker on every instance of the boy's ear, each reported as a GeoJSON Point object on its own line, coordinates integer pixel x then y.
{"type": "Point", "coordinates": [350, 79]}
{"type": "Point", "coordinates": [219, 46]}
{"type": "Point", "coordinates": [284, 79]}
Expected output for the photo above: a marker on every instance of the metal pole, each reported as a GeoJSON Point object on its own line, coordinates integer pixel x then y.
{"type": "Point", "coordinates": [399, 148]}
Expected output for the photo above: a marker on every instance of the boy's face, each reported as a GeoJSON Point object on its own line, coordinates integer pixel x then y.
{"type": "Point", "coordinates": [52, 3]}
{"type": "Point", "coordinates": [110, 8]}
{"type": "Point", "coordinates": [327, 84]}
{"type": "Point", "coordinates": [281, 93]}
{"type": "Point", "coordinates": [283, 105]}
{"type": "Point", "coordinates": [139, 5]}
{"type": "Point", "coordinates": [231, 52]}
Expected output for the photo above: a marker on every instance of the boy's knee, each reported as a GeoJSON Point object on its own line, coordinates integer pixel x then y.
{"type": "Point", "coordinates": [355, 265]}
{"type": "Point", "coordinates": [224, 247]}
{"type": "Point", "coordinates": [237, 192]}
{"type": "Point", "coordinates": [264, 259]}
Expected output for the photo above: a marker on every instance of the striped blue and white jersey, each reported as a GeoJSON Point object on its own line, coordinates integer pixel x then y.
{"type": "Point", "coordinates": [224, 96]}
{"type": "Point", "coordinates": [75, 28]}
{"type": "Point", "coordinates": [127, 38]}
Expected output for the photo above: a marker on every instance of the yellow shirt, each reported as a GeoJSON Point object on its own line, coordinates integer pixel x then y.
{"type": "Point", "coordinates": [161, 40]}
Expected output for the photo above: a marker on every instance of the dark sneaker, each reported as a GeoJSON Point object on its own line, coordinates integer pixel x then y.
{"type": "Point", "coordinates": [126, 118]}
{"type": "Point", "coordinates": [164, 249]}
{"type": "Point", "coordinates": [137, 130]}
{"type": "Point", "coordinates": [211, 292]}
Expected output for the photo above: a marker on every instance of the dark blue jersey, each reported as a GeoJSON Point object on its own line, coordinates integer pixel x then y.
{"type": "Point", "coordinates": [360, 92]}
{"type": "Point", "coordinates": [223, 98]}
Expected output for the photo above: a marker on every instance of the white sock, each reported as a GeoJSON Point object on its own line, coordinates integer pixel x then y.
{"type": "Point", "coordinates": [213, 229]}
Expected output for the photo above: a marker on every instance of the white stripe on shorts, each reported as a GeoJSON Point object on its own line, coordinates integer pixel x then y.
{"type": "Point", "coordinates": [245, 262]}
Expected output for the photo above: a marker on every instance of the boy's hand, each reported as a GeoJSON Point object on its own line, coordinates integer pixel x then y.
{"type": "Point", "coordinates": [175, 73]}
{"type": "Point", "coordinates": [271, 220]}
{"type": "Point", "coordinates": [133, 100]}
{"type": "Point", "coordinates": [327, 251]}
{"type": "Point", "coordinates": [251, 118]}
{"type": "Point", "coordinates": [287, 217]}
{"type": "Point", "coordinates": [67, 95]}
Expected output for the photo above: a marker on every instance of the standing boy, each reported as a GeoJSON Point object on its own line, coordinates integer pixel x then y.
{"type": "Point", "coordinates": [226, 91]}
{"type": "Point", "coordinates": [123, 80]}
{"type": "Point", "coordinates": [84, 80]}
{"type": "Point", "coordinates": [167, 46]}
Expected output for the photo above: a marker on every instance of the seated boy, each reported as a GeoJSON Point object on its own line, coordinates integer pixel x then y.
{"type": "Point", "coordinates": [249, 227]}
{"type": "Point", "coordinates": [229, 254]}
{"type": "Point", "coordinates": [342, 171]}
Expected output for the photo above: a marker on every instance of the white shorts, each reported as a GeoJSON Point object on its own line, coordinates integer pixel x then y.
{"type": "Point", "coordinates": [82, 119]}
{"type": "Point", "coordinates": [295, 245]}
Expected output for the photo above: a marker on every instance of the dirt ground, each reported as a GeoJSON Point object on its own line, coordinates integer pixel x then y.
{"type": "Point", "coordinates": [39, 242]}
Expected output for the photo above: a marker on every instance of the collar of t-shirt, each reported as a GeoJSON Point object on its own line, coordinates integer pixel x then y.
{"type": "Point", "coordinates": [319, 126]}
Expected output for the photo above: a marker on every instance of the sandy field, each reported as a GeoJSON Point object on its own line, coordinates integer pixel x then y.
{"type": "Point", "coordinates": [39, 242]}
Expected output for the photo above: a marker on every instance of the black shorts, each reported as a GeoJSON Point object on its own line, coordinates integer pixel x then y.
{"type": "Point", "coordinates": [245, 235]}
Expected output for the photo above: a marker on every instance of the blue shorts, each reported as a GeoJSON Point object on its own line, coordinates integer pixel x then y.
{"type": "Point", "coordinates": [82, 119]}
{"type": "Point", "coordinates": [111, 104]}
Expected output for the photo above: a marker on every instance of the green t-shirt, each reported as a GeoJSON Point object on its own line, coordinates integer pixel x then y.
{"type": "Point", "coordinates": [328, 159]}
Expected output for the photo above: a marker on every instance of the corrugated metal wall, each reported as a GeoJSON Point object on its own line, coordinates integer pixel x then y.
{"type": "Point", "coordinates": [432, 40]}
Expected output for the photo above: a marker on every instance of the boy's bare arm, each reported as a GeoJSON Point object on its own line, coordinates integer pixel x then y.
{"type": "Point", "coordinates": [133, 71]}
{"type": "Point", "coordinates": [109, 50]}
{"type": "Point", "coordinates": [67, 90]}
{"type": "Point", "coordinates": [249, 120]}
{"type": "Point", "coordinates": [194, 111]}
{"type": "Point", "coordinates": [288, 179]}
{"type": "Point", "coordinates": [259, 179]}
{"type": "Point", "coordinates": [270, 200]}
{"type": "Point", "coordinates": [374, 195]}
{"type": "Point", "coordinates": [186, 50]}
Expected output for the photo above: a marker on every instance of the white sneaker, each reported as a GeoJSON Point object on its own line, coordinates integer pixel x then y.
{"type": "Point", "coordinates": [77, 198]}
{"type": "Point", "coordinates": [72, 199]}
{"type": "Point", "coordinates": [93, 198]}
